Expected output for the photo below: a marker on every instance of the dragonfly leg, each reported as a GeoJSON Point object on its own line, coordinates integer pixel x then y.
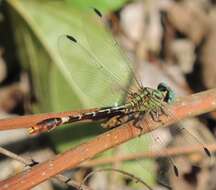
{"type": "Point", "coordinates": [137, 122]}
{"type": "Point", "coordinates": [155, 115]}
{"type": "Point", "coordinates": [123, 119]}
{"type": "Point", "coordinates": [164, 111]}
{"type": "Point", "coordinates": [110, 123]}
{"type": "Point", "coordinates": [143, 123]}
{"type": "Point", "coordinates": [116, 121]}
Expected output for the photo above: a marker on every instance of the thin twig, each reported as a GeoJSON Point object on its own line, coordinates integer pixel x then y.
{"type": "Point", "coordinates": [30, 163]}
{"type": "Point", "coordinates": [186, 107]}
{"type": "Point", "coordinates": [166, 152]}
{"type": "Point", "coordinates": [16, 157]}
{"type": "Point", "coordinates": [133, 177]}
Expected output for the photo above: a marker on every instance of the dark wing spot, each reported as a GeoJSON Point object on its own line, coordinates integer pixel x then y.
{"type": "Point", "coordinates": [33, 163]}
{"type": "Point", "coordinates": [207, 152]}
{"type": "Point", "coordinates": [71, 38]}
{"type": "Point", "coordinates": [176, 171]}
{"type": "Point", "coordinates": [97, 12]}
{"type": "Point", "coordinates": [67, 180]}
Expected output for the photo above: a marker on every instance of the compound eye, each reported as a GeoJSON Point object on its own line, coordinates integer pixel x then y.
{"type": "Point", "coordinates": [162, 87]}
{"type": "Point", "coordinates": [170, 95]}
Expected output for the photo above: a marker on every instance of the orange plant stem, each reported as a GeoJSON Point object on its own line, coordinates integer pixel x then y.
{"type": "Point", "coordinates": [186, 107]}
{"type": "Point", "coordinates": [30, 120]}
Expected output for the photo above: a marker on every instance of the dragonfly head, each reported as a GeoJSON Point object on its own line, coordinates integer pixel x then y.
{"type": "Point", "coordinates": [169, 93]}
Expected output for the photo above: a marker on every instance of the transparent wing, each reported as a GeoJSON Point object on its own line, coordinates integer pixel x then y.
{"type": "Point", "coordinates": [171, 168]}
{"type": "Point", "coordinates": [100, 71]}
{"type": "Point", "coordinates": [108, 46]}
{"type": "Point", "coordinates": [98, 68]}
{"type": "Point", "coordinates": [151, 143]}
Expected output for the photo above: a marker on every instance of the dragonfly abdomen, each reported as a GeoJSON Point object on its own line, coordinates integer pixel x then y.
{"type": "Point", "coordinates": [101, 114]}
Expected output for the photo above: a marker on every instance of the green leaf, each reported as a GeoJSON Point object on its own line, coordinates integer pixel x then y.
{"type": "Point", "coordinates": [37, 27]}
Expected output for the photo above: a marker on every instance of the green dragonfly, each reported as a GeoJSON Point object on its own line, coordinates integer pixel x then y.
{"type": "Point", "coordinates": [138, 101]}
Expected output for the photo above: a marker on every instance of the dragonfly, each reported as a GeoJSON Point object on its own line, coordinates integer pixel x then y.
{"type": "Point", "coordinates": [139, 102]}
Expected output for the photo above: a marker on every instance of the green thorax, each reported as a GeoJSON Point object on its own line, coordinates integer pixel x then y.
{"type": "Point", "coordinates": [147, 99]}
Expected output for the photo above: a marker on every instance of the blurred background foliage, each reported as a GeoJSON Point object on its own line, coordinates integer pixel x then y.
{"type": "Point", "coordinates": [155, 35]}
{"type": "Point", "coordinates": [38, 26]}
